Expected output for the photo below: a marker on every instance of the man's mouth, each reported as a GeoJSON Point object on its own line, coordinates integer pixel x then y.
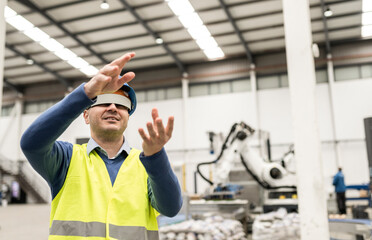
{"type": "Point", "coordinates": [111, 119]}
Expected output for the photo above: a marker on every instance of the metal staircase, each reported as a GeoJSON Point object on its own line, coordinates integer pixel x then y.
{"type": "Point", "coordinates": [27, 178]}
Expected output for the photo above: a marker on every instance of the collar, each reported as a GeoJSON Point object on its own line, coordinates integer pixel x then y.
{"type": "Point", "coordinates": [93, 145]}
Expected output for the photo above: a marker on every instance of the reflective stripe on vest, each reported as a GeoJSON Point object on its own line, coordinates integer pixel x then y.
{"type": "Point", "coordinates": [97, 229]}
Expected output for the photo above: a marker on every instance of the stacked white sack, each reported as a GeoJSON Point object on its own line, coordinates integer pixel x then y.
{"type": "Point", "coordinates": [278, 225]}
{"type": "Point", "coordinates": [212, 228]}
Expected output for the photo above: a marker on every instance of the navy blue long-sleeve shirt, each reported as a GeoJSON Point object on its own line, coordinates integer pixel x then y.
{"type": "Point", "coordinates": [51, 158]}
{"type": "Point", "coordinates": [339, 182]}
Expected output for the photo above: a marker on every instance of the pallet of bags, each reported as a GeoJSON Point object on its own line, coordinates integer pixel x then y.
{"type": "Point", "coordinates": [211, 228]}
{"type": "Point", "coordinates": [277, 225]}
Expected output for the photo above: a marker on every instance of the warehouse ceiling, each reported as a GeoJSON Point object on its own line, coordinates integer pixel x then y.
{"type": "Point", "coordinates": [241, 28]}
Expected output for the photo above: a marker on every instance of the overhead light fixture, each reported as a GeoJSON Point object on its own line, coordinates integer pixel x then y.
{"type": "Point", "coordinates": [8, 12]}
{"type": "Point", "coordinates": [78, 62]}
{"type": "Point", "coordinates": [89, 70]}
{"type": "Point", "coordinates": [36, 34]}
{"type": "Point", "coordinates": [328, 12]}
{"type": "Point", "coordinates": [367, 18]}
{"type": "Point", "coordinates": [206, 43]}
{"type": "Point", "coordinates": [190, 20]}
{"type": "Point", "coordinates": [29, 61]}
{"type": "Point", "coordinates": [104, 5]}
{"type": "Point", "coordinates": [214, 53]}
{"type": "Point", "coordinates": [65, 54]}
{"type": "Point", "coordinates": [366, 29]}
{"type": "Point", "coordinates": [367, 5]}
{"type": "Point", "coordinates": [180, 7]}
{"type": "Point", "coordinates": [51, 44]}
{"type": "Point", "coordinates": [19, 22]}
{"type": "Point", "coordinates": [159, 40]}
{"type": "Point", "coordinates": [196, 28]}
{"type": "Point", "coordinates": [42, 38]}
{"type": "Point", "coordinates": [199, 32]}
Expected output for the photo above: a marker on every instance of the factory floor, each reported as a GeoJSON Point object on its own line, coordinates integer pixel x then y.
{"type": "Point", "coordinates": [26, 221]}
{"type": "Point", "coordinates": [31, 221]}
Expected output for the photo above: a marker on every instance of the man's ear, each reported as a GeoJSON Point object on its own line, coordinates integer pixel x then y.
{"type": "Point", "coordinates": [86, 116]}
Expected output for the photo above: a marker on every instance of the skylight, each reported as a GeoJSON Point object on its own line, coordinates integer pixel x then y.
{"type": "Point", "coordinates": [52, 45]}
{"type": "Point", "coordinates": [367, 18]}
{"type": "Point", "coordinates": [194, 25]}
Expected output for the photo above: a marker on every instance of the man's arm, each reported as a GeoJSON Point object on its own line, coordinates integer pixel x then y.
{"type": "Point", "coordinates": [48, 157]}
{"type": "Point", "coordinates": [164, 192]}
{"type": "Point", "coordinates": [335, 179]}
{"type": "Point", "coordinates": [167, 198]}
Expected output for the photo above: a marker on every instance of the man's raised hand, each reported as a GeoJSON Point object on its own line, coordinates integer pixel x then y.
{"type": "Point", "coordinates": [157, 136]}
{"type": "Point", "coordinates": [107, 79]}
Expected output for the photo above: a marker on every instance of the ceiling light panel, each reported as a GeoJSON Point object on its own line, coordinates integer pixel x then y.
{"type": "Point", "coordinates": [19, 22]}
{"type": "Point", "coordinates": [36, 34]}
{"type": "Point", "coordinates": [100, 21]}
{"type": "Point", "coordinates": [367, 18]}
{"type": "Point", "coordinates": [199, 32]}
{"type": "Point", "coordinates": [42, 38]}
{"type": "Point", "coordinates": [366, 29]}
{"type": "Point", "coordinates": [196, 28]}
{"type": "Point", "coordinates": [84, 8]}
{"type": "Point", "coordinates": [367, 5]}
{"type": "Point", "coordinates": [180, 7]}
{"type": "Point", "coordinates": [190, 20]}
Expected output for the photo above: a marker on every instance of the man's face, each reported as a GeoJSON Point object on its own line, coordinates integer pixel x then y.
{"type": "Point", "coordinates": [107, 120]}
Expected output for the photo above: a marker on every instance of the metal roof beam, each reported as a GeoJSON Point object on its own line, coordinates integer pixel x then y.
{"type": "Point", "coordinates": [180, 28]}
{"type": "Point", "coordinates": [41, 65]}
{"type": "Point", "coordinates": [46, 15]}
{"type": "Point", "coordinates": [83, 1]}
{"type": "Point", "coordinates": [150, 31]}
{"type": "Point", "coordinates": [170, 16]}
{"type": "Point", "coordinates": [185, 40]}
{"type": "Point", "coordinates": [237, 31]}
{"type": "Point", "coordinates": [13, 87]}
{"type": "Point", "coordinates": [92, 16]}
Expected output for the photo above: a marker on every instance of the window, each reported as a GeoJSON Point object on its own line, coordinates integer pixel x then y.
{"type": "Point", "coordinates": [198, 90]}
{"type": "Point", "coordinates": [283, 80]}
{"type": "Point", "coordinates": [6, 110]}
{"type": "Point", "coordinates": [37, 107]}
{"type": "Point", "coordinates": [174, 92]}
{"type": "Point", "coordinates": [141, 96]}
{"type": "Point", "coordinates": [159, 94]}
{"type": "Point", "coordinates": [347, 73]}
{"type": "Point", "coordinates": [366, 71]}
{"type": "Point", "coordinates": [321, 76]}
{"type": "Point", "coordinates": [225, 87]}
{"type": "Point", "coordinates": [267, 82]}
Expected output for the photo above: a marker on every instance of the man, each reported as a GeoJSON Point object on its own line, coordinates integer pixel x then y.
{"type": "Point", "coordinates": [104, 189]}
{"type": "Point", "coordinates": [340, 188]}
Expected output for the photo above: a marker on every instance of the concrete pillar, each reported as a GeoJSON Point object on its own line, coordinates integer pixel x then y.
{"type": "Point", "coordinates": [185, 96]}
{"type": "Point", "coordinates": [19, 109]}
{"type": "Point", "coordinates": [253, 79]}
{"type": "Point", "coordinates": [301, 74]}
{"type": "Point", "coordinates": [256, 112]}
{"type": "Point", "coordinates": [3, 3]}
{"type": "Point", "coordinates": [331, 82]}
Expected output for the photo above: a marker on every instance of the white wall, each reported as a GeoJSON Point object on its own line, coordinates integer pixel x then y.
{"type": "Point", "coordinates": [353, 102]}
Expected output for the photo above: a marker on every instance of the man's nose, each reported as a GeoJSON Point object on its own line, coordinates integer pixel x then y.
{"type": "Point", "coordinates": [112, 107]}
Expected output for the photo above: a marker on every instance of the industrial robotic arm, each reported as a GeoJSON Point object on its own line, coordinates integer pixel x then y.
{"type": "Point", "coordinates": [236, 148]}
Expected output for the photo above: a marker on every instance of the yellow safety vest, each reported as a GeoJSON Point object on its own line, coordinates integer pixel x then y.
{"type": "Point", "coordinates": [89, 207]}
